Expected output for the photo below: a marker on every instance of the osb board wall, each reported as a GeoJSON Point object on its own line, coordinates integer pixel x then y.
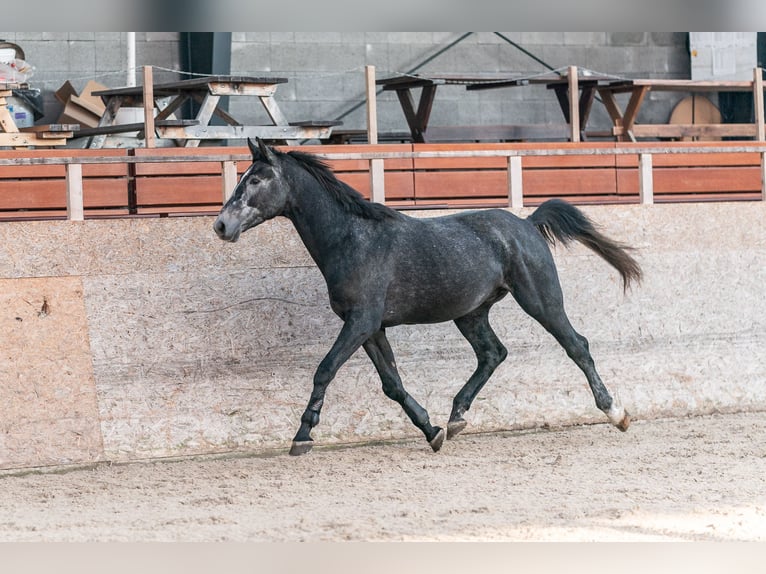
{"type": "Point", "coordinates": [160, 340]}
{"type": "Point", "coordinates": [48, 404]}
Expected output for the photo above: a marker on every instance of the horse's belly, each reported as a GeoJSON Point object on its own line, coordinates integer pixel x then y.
{"type": "Point", "coordinates": [422, 305]}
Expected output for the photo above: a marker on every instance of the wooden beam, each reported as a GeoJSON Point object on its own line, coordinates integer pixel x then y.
{"type": "Point", "coordinates": [74, 195]}
{"type": "Point", "coordinates": [763, 176]}
{"type": "Point", "coordinates": [645, 179]}
{"type": "Point", "coordinates": [149, 107]}
{"type": "Point", "coordinates": [687, 130]}
{"type": "Point", "coordinates": [377, 171]}
{"type": "Point", "coordinates": [574, 105]}
{"type": "Point", "coordinates": [229, 173]}
{"type": "Point", "coordinates": [760, 129]}
{"type": "Point", "coordinates": [515, 185]}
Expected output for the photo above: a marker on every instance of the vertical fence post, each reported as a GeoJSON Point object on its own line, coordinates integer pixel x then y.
{"type": "Point", "coordinates": [377, 170]}
{"type": "Point", "coordinates": [515, 185]}
{"type": "Point", "coordinates": [229, 177]}
{"type": "Point", "coordinates": [74, 198]}
{"type": "Point", "coordinates": [574, 104]}
{"type": "Point", "coordinates": [763, 176]}
{"type": "Point", "coordinates": [149, 106]}
{"type": "Point", "coordinates": [760, 128]}
{"type": "Point", "coordinates": [645, 179]}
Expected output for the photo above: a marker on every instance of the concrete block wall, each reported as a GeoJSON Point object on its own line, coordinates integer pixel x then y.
{"type": "Point", "coordinates": [83, 56]}
{"type": "Point", "coordinates": [146, 338]}
{"type": "Point", "coordinates": [326, 69]}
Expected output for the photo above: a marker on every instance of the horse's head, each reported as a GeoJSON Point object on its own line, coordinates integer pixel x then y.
{"type": "Point", "coordinates": [259, 195]}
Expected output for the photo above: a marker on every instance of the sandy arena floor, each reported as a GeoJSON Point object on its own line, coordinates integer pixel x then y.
{"type": "Point", "coordinates": [690, 479]}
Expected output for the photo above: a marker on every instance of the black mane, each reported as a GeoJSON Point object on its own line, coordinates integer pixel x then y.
{"type": "Point", "coordinates": [350, 199]}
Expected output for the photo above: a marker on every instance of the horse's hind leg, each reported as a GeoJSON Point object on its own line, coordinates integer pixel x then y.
{"type": "Point", "coordinates": [539, 294]}
{"type": "Point", "coordinates": [379, 351]}
{"type": "Point", "coordinates": [490, 352]}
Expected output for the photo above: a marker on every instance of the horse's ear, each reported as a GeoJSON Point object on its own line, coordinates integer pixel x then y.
{"type": "Point", "coordinates": [253, 148]}
{"type": "Point", "coordinates": [262, 151]}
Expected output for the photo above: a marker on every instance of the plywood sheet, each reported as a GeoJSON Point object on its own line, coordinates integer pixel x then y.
{"type": "Point", "coordinates": [48, 406]}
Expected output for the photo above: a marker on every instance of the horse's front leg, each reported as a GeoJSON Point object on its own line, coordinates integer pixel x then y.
{"type": "Point", "coordinates": [356, 330]}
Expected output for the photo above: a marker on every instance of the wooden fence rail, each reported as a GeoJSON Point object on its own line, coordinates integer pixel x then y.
{"type": "Point", "coordinates": [435, 175]}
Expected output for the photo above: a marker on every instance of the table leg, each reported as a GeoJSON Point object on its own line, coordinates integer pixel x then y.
{"type": "Point", "coordinates": [631, 110]}
{"type": "Point", "coordinates": [417, 118]}
{"type": "Point", "coordinates": [107, 119]}
{"type": "Point", "coordinates": [276, 115]}
{"type": "Point", "coordinates": [208, 106]}
{"type": "Point", "coordinates": [6, 120]}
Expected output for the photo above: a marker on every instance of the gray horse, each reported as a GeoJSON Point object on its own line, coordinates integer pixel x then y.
{"type": "Point", "coordinates": [384, 268]}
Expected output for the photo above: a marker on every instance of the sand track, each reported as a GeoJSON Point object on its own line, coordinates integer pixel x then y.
{"type": "Point", "coordinates": [700, 478]}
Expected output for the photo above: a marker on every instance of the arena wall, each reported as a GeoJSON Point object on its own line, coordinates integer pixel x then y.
{"type": "Point", "coordinates": [132, 339]}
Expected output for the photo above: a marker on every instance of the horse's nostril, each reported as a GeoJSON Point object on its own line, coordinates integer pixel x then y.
{"type": "Point", "coordinates": [219, 227]}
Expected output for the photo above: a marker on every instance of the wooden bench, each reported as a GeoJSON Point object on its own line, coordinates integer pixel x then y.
{"type": "Point", "coordinates": [500, 133]}
{"type": "Point", "coordinates": [360, 137]}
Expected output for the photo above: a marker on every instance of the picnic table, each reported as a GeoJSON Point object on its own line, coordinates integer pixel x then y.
{"type": "Point", "coordinates": [418, 114]}
{"type": "Point", "coordinates": [624, 119]}
{"type": "Point", "coordinates": [11, 135]}
{"type": "Point", "coordinates": [563, 82]}
{"type": "Point", "coordinates": [207, 91]}
{"type": "Point", "coordinates": [576, 111]}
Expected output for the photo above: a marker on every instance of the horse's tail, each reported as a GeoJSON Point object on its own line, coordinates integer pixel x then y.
{"type": "Point", "coordinates": [558, 220]}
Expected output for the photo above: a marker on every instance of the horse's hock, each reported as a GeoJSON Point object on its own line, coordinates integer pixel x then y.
{"type": "Point", "coordinates": [145, 338]}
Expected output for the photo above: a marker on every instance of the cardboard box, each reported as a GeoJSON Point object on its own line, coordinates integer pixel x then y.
{"type": "Point", "coordinates": [76, 114]}
{"type": "Point", "coordinates": [84, 109]}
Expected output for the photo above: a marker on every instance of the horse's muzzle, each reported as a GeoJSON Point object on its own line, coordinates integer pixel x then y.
{"type": "Point", "coordinates": [224, 232]}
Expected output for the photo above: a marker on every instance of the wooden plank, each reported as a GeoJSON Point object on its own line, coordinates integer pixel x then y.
{"type": "Point", "coordinates": [149, 135]}
{"type": "Point", "coordinates": [58, 170]}
{"type": "Point", "coordinates": [51, 194]}
{"type": "Point", "coordinates": [281, 132]}
{"type": "Point", "coordinates": [133, 127]}
{"type": "Point", "coordinates": [760, 128]}
{"type": "Point", "coordinates": [646, 179]}
{"type": "Point", "coordinates": [688, 130]}
{"type": "Point", "coordinates": [515, 182]}
{"type": "Point", "coordinates": [399, 185]}
{"type": "Point", "coordinates": [694, 180]}
{"type": "Point", "coordinates": [574, 110]}
{"type": "Point", "coordinates": [229, 179]}
{"type": "Point", "coordinates": [52, 128]}
{"type": "Point", "coordinates": [479, 133]}
{"type": "Point", "coordinates": [735, 159]}
{"type": "Point", "coordinates": [179, 191]}
{"type": "Point", "coordinates": [17, 139]}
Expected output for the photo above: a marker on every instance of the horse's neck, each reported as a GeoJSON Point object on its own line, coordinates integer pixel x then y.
{"type": "Point", "coordinates": [320, 220]}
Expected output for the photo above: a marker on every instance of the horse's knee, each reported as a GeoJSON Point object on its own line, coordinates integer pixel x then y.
{"type": "Point", "coordinates": [501, 353]}
{"type": "Point", "coordinates": [394, 391]}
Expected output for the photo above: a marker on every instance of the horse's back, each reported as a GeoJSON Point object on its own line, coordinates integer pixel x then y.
{"type": "Point", "coordinates": [444, 267]}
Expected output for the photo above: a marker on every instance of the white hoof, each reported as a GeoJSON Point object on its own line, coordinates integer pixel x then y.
{"type": "Point", "coordinates": [619, 417]}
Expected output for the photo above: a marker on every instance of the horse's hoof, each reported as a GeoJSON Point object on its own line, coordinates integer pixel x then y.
{"type": "Point", "coordinates": [455, 428]}
{"type": "Point", "coordinates": [301, 447]}
{"type": "Point", "coordinates": [619, 417]}
{"type": "Point", "coordinates": [437, 442]}
{"type": "Point", "coordinates": [624, 423]}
